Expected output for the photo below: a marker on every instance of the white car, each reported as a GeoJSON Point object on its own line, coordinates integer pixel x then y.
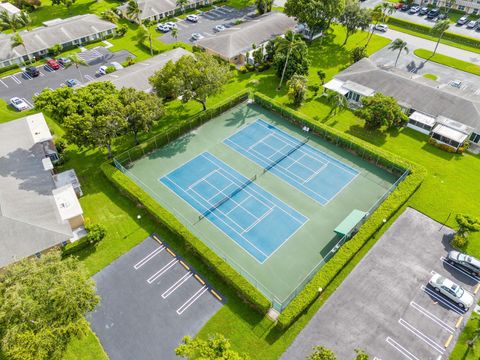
{"type": "Point", "coordinates": [192, 18]}
{"type": "Point", "coordinates": [163, 28]}
{"type": "Point", "coordinates": [451, 290]}
{"type": "Point", "coordinates": [471, 24]}
{"type": "Point", "coordinates": [171, 25]}
{"type": "Point", "coordinates": [18, 104]}
{"type": "Point", "coordinates": [197, 36]}
{"type": "Point", "coordinates": [116, 65]}
{"type": "Point", "coordinates": [219, 28]}
{"type": "Point", "coordinates": [102, 70]}
{"type": "Point", "coordinates": [381, 27]}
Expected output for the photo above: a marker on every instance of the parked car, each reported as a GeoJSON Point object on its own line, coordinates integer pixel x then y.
{"type": "Point", "coordinates": [467, 262]}
{"type": "Point", "coordinates": [432, 14]}
{"type": "Point", "coordinates": [219, 28]}
{"type": "Point", "coordinates": [192, 18]}
{"type": "Point", "coordinates": [102, 70]}
{"type": "Point", "coordinates": [18, 104]}
{"type": "Point", "coordinates": [405, 7]}
{"type": "Point", "coordinates": [163, 28]}
{"type": "Point", "coordinates": [64, 61]}
{"type": "Point", "coordinates": [53, 64]}
{"type": "Point", "coordinates": [472, 24]}
{"type": "Point", "coordinates": [456, 84]}
{"type": "Point", "coordinates": [197, 36]}
{"type": "Point", "coordinates": [171, 25]}
{"type": "Point", "coordinates": [452, 291]}
{"type": "Point", "coordinates": [414, 9]}
{"type": "Point", "coordinates": [116, 65]}
{"type": "Point", "coordinates": [442, 16]}
{"type": "Point", "coordinates": [381, 27]}
{"type": "Point", "coordinates": [462, 21]}
{"type": "Point", "coordinates": [32, 71]}
{"type": "Point", "coordinates": [72, 82]}
{"type": "Point", "coordinates": [423, 11]}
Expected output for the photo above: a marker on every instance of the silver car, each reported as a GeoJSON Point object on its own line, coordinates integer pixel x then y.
{"type": "Point", "coordinates": [469, 263]}
{"type": "Point", "coordinates": [452, 291]}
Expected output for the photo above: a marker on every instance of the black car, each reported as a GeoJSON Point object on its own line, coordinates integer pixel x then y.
{"type": "Point", "coordinates": [32, 71]}
{"type": "Point", "coordinates": [405, 7]}
{"type": "Point", "coordinates": [465, 261]}
{"type": "Point", "coordinates": [432, 14]}
{"type": "Point", "coordinates": [423, 11]}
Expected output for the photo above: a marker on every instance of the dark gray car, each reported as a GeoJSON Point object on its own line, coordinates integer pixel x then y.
{"type": "Point", "coordinates": [465, 261]}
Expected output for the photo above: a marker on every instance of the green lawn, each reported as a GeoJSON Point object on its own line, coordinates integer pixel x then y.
{"type": "Point", "coordinates": [430, 76]}
{"type": "Point", "coordinates": [448, 61]}
{"type": "Point", "coordinates": [461, 350]}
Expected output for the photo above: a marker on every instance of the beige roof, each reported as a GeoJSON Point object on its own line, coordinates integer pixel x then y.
{"type": "Point", "coordinates": [67, 202]}
{"type": "Point", "coordinates": [239, 39]}
{"type": "Point", "coordinates": [38, 128]}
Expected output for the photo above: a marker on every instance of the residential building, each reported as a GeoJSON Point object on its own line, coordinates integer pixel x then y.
{"type": "Point", "coordinates": [35, 215]}
{"type": "Point", "coordinates": [470, 7]}
{"type": "Point", "coordinates": [9, 8]}
{"type": "Point", "coordinates": [73, 31]}
{"type": "Point", "coordinates": [448, 115]}
{"type": "Point", "coordinates": [154, 10]}
{"type": "Point", "coordinates": [233, 44]}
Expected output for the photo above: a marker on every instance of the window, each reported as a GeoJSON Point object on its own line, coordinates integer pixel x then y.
{"type": "Point", "coordinates": [475, 138]}
{"type": "Point", "coordinates": [353, 96]}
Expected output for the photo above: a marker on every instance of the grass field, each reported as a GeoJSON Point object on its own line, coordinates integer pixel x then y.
{"type": "Point", "coordinates": [462, 351]}
{"type": "Point", "coordinates": [449, 61]}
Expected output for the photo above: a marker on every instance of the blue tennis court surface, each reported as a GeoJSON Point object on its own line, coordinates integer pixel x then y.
{"type": "Point", "coordinates": [255, 219]}
{"type": "Point", "coordinates": [316, 174]}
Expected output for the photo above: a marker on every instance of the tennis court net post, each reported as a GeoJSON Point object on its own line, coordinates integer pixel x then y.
{"type": "Point", "coordinates": [290, 152]}
{"type": "Point", "coordinates": [228, 197]}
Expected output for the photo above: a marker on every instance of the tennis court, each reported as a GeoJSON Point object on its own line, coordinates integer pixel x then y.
{"type": "Point", "coordinates": [256, 220]}
{"type": "Point", "coordinates": [314, 173]}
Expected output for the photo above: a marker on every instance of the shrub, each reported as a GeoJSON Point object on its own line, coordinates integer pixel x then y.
{"type": "Point", "coordinates": [55, 50]}
{"type": "Point", "coordinates": [358, 53]}
{"type": "Point", "coordinates": [96, 233]}
{"type": "Point", "coordinates": [110, 69]}
{"type": "Point", "coordinates": [243, 70]}
{"type": "Point", "coordinates": [459, 241]}
{"type": "Point", "coordinates": [121, 30]}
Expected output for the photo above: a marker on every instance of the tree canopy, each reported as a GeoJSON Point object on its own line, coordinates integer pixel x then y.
{"type": "Point", "coordinates": [291, 56]}
{"type": "Point", "coordinates": [354, 18]}
{"type": "Point", "coordinates": [217, 347]}
{"type": "Point", "coordinates": [42, 305]}
{"type": "Point", "coordinates": [381, 110]}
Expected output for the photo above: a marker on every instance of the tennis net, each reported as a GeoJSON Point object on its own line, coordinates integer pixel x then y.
{"type": "Point", "coordinates": [228, 197]}
{"type": "Point", "coordinates": [290, 152]}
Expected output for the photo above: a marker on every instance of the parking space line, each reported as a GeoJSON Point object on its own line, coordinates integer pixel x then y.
{"type": "Point", "coordinates": [4, 83]}
{"type": "Point", "coordinates": [177, 284]}
{"type": "Point", "coordinates": [162, 271]}
{"type": "Point", "coordinates": [449, 340]}
{"type": "Point", "coordinates": [199, 279]}
{"type": "Point", "coordinates": [192, 299]}
{"type": "Point", "coordinates": [401, 349]}
{"type": "Point", "coordinates": [214, 293]}
{"type": "Point", "coordinates": [184, 265]}
{"type": "Point", "coordinates": [14, 78]}
{"type": "Point", "coordinates": [422, 336]}
{"type": "Point", "coordinates": [41, 73]}
{"type": "Point", "coordinates": [432, 317]}
{"type": "Point", "coordinates": [458, 269]}
{"type": "Point", "coordinates": [148, 257]}
{"type": "Point", "coordinates": [88, 77]}
{"type": "Point", "coordinates": [442, 300]}
{"type": "Point", "coordinates": [476, 289]}
{"type": "Point", "coordinates": [171, 252]}
{"type": "Point", "coordinates": [28, 103]}
{"type": "Point", "coordinates": [459, 321]}
{"type": "Point", "coordinates": [157, 239]}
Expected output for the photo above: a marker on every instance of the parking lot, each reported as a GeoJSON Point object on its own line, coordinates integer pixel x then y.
{"type": "Point", "coordinates": [223, 15]}
{"type": "Point", "coordinates": [386, 304]}
{"type": "Point", "coordinates": [150, 300]}
{"type": "Point", "coordinates": [25, 87]}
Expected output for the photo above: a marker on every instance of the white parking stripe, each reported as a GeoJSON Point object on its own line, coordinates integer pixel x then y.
{"type": "Point", "coordinates": [88, 77]}
{"type": "Point", "coordinates": [148, 257]}
{"type": "Point", "coordinates": [162, 271]}
{"type": "Point", "coordinates": [432, 317]}
{"type": "Point", "coordinates": [442, 300]}
{"type": "Point", "coordinates": [28, 103]}
{"type": "Point", "coordinates": [177, 284]}
{"type": "Point", "coordinates": [458, 269]}
{"type": "Point", "coordinates": [4, 83]}
{"type": "Point", "coordinates": [401, 349]}
{"type": "Point", "coordinates": [14, 78]}
{"type": "Point", "coordinates": [41, 73]}
{"type": "Point", "coordinates": [422, 336]}
{"type": "Point", "coordinates": [190, 301]}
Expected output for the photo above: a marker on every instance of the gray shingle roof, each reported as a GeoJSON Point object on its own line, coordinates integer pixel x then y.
{"type": "Point", "coordinates": [418, 94]}
{"type": "Point", "coordinates": [59, 32]}
{"type": "Point", "coordinates": [150, 8]}
{"type": "Point", "coordinates": [29, 220]}
{"type": "Point", "coordinates": [239, 39]}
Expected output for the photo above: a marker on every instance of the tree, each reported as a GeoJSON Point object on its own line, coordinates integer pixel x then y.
{"type": "Point", "coordinates": [475, 335]}
{"type": "Point", "coordinates": [387, 9]}
{"type": "Point", "coordinates": [291, 56]}
{"type": "Point", "coordinates": [316, 14]}
{"type": "Point", "coordinates": [361, 355]}
{"type": "Point", "coordinates": [141, 110]}
{"type": "Point", "coordinates": [322, 353]}
{"type": "Point", "coordinates": [297, 89]}
{"type": "Point", "coordinates": [133, 11]}
{"type": "Point", "coordinates": [337, 103]}
{"type": "Point", "coordinates": [181, 4]}
{"type": "Point", "coordinates": [354, 18]}
{"type": "Point", "coordinates": [398, 45]}
{"type": "Point", "coordinates": [174, 33]}
{"type": "Point", "coordinates": [439, 30]}
{"type": "Point", "coordinates": [14, 21]}
{"type": "Point", "coordinates": [110, 15]}
{"type": "Point", "coordinates": [17, 40]}
{"type": "Point", "coordinates": [217, 347]}
{"type": "Point", "coordinates": [192, 78]}
{"type": "Point", "coordinates": [143, 35]}
{"type": "Point", "coordinates": [96, 233]}
{"type": "Point", "coordinates": [381, 110]}
{"type": "Point", "coordinates": [264, 6]}
{"type": "Point", "coordinates": [42, 306]}
{"type": "Point", "coordinates": [67, 3]}
{"type": "Point", "coordinates": [322, 76]}
{"type": "Point", "coordinates": [359, 53]}
{"type": "Point", "coordinates": [376, 14]}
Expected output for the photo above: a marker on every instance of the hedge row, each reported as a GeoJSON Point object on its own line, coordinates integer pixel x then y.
{"type": "Point", "coordinates": [244, 288]}
{"type": "Point", "coordinates": [385, 211]}
{"type": "Point", "coordinates": [427, 30]}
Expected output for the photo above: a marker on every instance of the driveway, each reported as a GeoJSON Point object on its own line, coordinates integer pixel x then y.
{"type": "Point", "coordinates": [385, 305]}
{"type": "Point", "coordinates": [223, 15]}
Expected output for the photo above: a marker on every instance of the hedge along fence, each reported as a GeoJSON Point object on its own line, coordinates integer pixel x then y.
{"type": "Point", "coordinates": [427, 30]}
{"type": "Point", "coordinates": [128, 187]}
{"type": "Point", "coordinates": [385, 211]}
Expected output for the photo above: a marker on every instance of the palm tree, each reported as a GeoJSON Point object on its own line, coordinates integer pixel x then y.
{"type": "Point", "coordinates": [77, 60]}
{"type": "Point", "coordinates": [387, 9]}
{"type": "Point", "coordinates": [377, 15]}
{"type": "Point", "coordinates": [144, 34]}
{"type": "Point", "coordinates": [400, 45]}
{"type": "Point", "coordinates": [17, 40]}
{"type": "Point", "coordinates": [14, 21]}
{"type": "Point", "coordinates": [321, 75]}
{"type": "Point", "coordinates": [110, 15]}
{"type": "Point", "coordinates": [174, 33]}
{"type": "Point", "coordinates": [289, 42]}
{"type": "Point", "coordinates": [476, 336]}
{"type": "Point", "coordinates": [181, 4]}
{"type": "Point", "coordinates": [337, 103]}
{"type": "Point", "coordinates": [439, 30]}
{"type": "Point", "coordinates": [133, 11]}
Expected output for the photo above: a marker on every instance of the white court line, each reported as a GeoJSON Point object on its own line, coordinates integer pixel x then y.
{"type": "Point", "coordinates": [191, 186]}
{"type": "Point", "coordinates": [432, 317]}
{"type": "Point", "coordinates": [430, 342]}
{"type": "Point", "coordinates": [162, 271]}
{"type": "Point", "coordinates": [4, 83]}
{"type": "Point", "coordinates": [177, 284]}
{"type": "Point", "coordinates": [149, 257]}
{"type": "Point", "coordinates": [442, 300]}
{"type": "Point", "coordinates": [192, 299]}
{"type": "Point", "coordinates": [256, 222]}
{"type": "Point", "coordinates": [461, 270]}
{"type": "Point", "coordinates": [401, 349]}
